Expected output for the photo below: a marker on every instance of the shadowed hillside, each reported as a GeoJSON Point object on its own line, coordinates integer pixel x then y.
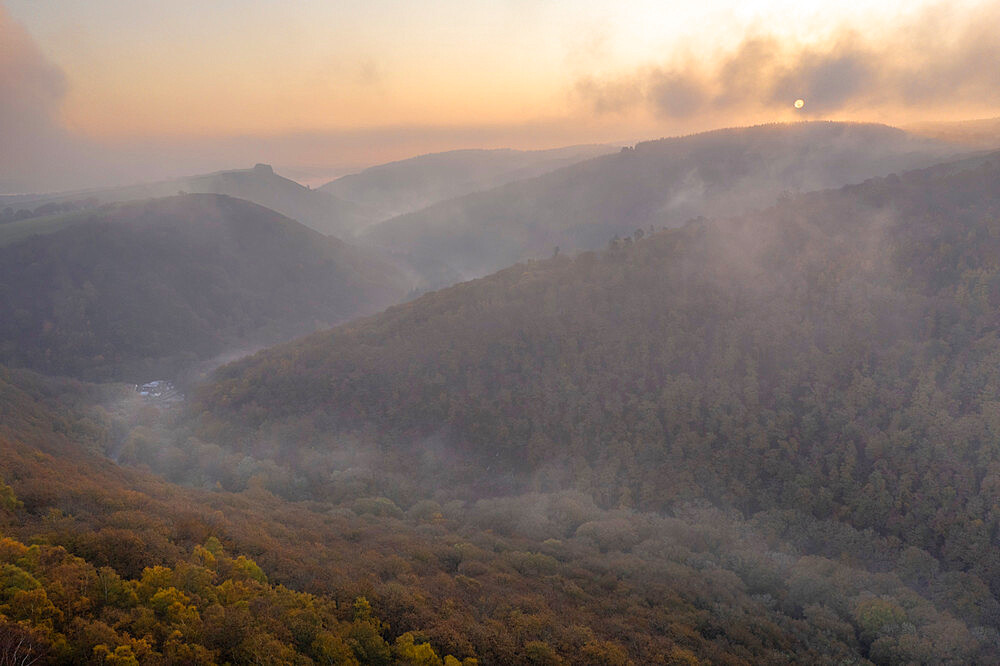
{"type": "Point", "coordinates": [150, 287]}
{"type": "Point", "coordinates": [658, 183]}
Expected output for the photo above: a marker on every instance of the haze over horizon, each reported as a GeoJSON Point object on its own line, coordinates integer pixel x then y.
{"type": "Point", "coordinates": [113, 92]}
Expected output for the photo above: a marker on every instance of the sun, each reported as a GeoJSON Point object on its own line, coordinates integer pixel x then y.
{"type": "Point", "coordinates": [799, 103]}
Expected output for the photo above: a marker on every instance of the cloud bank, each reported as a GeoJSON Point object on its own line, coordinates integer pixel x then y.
{"type": "Point", "coordinates": [31, 90]}
{"type": "Point", "coordinates": [938, 60]}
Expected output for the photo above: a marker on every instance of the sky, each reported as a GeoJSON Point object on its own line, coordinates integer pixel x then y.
{"type": "Point", "coordinates": [127, 90]}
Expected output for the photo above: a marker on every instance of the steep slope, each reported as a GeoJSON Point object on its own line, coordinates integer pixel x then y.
{"type": "Point", "coordinates": [402, 187]}
{"type": "Point", "coordinates": [318, 210]}
{"type": "Point", "coordinates": [658, 183]}
{"type": "Point", "coordinates": [833, 359]}
{"type": "Point", "coordinates": [149, 287]}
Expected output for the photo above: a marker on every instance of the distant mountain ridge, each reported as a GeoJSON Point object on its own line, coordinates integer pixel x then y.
{"type": "Point", "coordinates": [656, 183]}
{"type": "Point", "coordinates": [408, 185]}
{"type": "Point", "coordinates": [983, 134]}
{"type": "Point", "coordinates": [149, 287]}
{"type": "Point", "coordinates": [319, 210]}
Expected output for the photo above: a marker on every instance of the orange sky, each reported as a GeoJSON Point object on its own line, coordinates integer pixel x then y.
{"type": "Point", "coordinates": [371, 80]}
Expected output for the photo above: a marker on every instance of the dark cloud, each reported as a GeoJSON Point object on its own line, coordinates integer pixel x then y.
{"type": "Point", "coordinates": [31, 90]}
{"type": "Point", "coordinates": [939, 60]}
{"type": "Point", "coordinates": [677, 94]}
{"type": "Point", "coordinates": [31, 87]}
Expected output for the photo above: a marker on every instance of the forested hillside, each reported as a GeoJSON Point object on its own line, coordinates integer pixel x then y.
{"type": "Point", "coordinates": [137, 290]}
{"type": "Point", "coordinates": [659, 183]}
{"type": "Point", "coordinates": [100, 562]}
{"type": "Point", "coordinates": [829, 363]}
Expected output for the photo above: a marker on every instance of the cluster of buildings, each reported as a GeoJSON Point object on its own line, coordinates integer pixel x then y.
{"type": "Point", "coordinates": [160, 392]}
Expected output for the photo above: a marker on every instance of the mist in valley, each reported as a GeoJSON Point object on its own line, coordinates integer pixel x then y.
{"type": "Point", "coordinates": [676, 343]}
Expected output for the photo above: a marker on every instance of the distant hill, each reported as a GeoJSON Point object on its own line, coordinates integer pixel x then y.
{"type": "Point", "coordinates": [658, 183]}
{"type": "Point", "coordinates": [320, 210]}
{"type": "Point", "coordinates": [131, 290]}
{"type": "Point", "coordinates": [983, 134]}
{"type": "Point", "coordinates": [830, 363]}
{"type": "Point", "coordinates": [402, 187]}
